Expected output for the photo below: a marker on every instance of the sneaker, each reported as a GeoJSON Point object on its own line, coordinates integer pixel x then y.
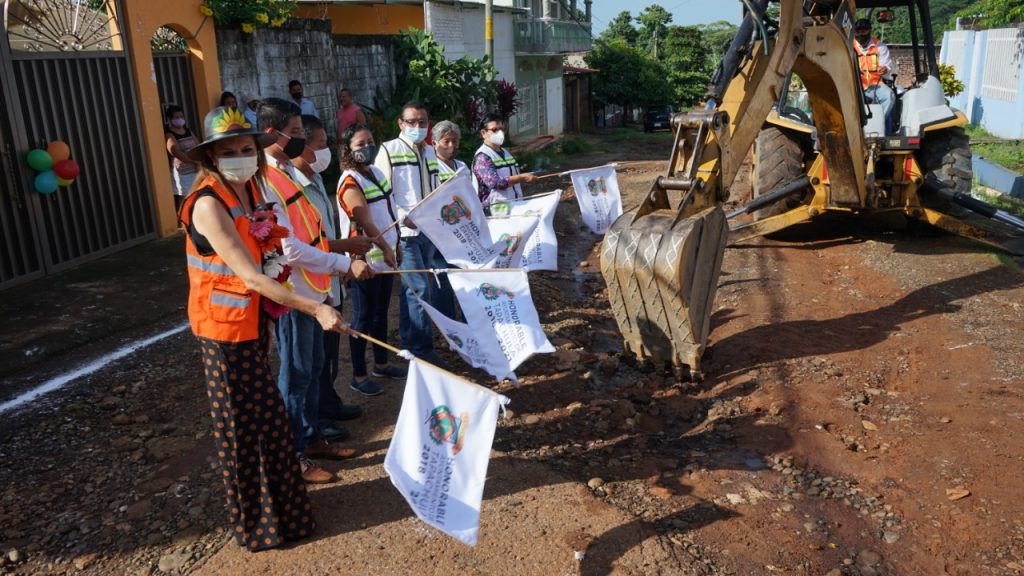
{"type": "Point", "coordinates": [393, 372]}
{"type": "Point", "coordinates": [312, 473]}
{"type": "Point", "coordinates": [366, 387]}
{"type": "Point", "coordinates": [334, 432]}
{"type": "Point", "coordinates": [329, 451]}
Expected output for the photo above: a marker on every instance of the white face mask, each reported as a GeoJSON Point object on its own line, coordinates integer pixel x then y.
{"type": "Point", "coordinates": [323, 160]}
{"type": "Point", "coordinates": [415, 135]}
{"type": "Point", "coordinates": [238, 169]}
{"type": "Point", "coordinates": [498, 138]}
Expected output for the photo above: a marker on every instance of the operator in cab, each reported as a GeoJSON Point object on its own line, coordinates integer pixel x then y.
{"type": "Point", "coordinates": [875, 65]}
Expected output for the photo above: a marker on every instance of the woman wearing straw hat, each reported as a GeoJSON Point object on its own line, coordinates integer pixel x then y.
{"type": "Point", "coordinates": [237, 280]}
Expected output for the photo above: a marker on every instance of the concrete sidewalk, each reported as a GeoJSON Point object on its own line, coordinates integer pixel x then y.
{"type": "Point", "coordinates": [57, 321]}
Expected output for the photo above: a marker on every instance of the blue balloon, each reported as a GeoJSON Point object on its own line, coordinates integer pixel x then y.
{"type": "Point", "coordinates": [46, 182]}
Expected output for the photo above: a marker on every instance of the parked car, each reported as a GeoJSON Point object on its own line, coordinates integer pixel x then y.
{"type": "Point", "coordinates": [658, 118]}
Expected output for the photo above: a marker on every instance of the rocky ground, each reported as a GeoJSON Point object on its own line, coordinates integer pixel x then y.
{"type": "Point", "coordinates": [861, 415]}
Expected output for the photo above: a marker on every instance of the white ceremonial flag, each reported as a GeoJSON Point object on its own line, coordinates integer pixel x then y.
{"type": "Point", "coordinates": [597, 191]}
{"type": "Point", "coordinates": [501, 300]}
{"type": "Point", "coordinates": [479, 348]}
{"type": "Point", "coordinates": [541, 250]}
{"type": "Point", "coordinates": [440, 449]}
{"type": "Point", "coordinates": [452, 217]}
{"type": "Point", "coordinates": [510, 235]}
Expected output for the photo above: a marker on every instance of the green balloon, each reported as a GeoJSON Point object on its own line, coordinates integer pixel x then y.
{"type": "Point", "coordinates": [40, 160]}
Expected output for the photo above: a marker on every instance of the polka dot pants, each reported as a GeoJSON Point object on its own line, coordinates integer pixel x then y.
{"type": "Point", "coordinates": [267, 499]}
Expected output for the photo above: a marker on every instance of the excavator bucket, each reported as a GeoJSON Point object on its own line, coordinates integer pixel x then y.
{"type": "Point", "coordinates": [662, 273]}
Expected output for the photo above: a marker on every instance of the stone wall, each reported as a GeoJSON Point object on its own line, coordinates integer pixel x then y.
{"type": "Point", "coordinates": [305, 50]}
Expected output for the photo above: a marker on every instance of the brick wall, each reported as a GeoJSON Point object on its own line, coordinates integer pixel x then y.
{"type": "Point", "coordinates": [902, 56]}
{"type": "Point", "coordinates": [305, 50]}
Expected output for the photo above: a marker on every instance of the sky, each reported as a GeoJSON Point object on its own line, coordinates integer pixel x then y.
{"type": "Point", "coordinates": [684, 12]}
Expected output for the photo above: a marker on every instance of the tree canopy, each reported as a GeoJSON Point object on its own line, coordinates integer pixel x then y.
{"type": "Point", "coordinates": [621, 27]}
{"type": "Point", "coordinates": [627, 76]}
{"type": "Point", "coordinates": [654, 21]}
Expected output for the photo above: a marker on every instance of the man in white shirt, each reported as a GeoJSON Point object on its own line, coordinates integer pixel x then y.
{"type": "Point", "coordinates": [314, 259]}
{"type": "Point", "coordinates": [410, 165]}
{"type": "Point", "coordinates": [306, 106]}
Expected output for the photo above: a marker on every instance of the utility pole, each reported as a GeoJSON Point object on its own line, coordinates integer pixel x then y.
{"type": "Point", "coordinates": [489, 30]}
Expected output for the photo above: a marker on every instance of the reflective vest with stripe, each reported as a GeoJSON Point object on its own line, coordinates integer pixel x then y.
{"type": "Point", "coordinates": [220, 307]}
{"type": "Point", "coordinates": [446, 172]}
{"type": "Point", "coordinates": [507, 167]}
{"type": "Point", "coordinates": [307, 225]}
{"type": "Point", "coordinates": [405, 171]}
{"type": "Point", "coordinates": [867, 59]}
{"type": "Point", "coordinates": [378, 200]}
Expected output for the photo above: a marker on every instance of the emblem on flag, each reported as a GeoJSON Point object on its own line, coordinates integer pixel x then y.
{"type": "Point", "coordinates": [492, 292]}
{"type": "Point", "coordinates": [452, 213]}
{"type": "Point", "coordinates": [597, 186]}
{"type": "Point", "coordinates": [446, 428]}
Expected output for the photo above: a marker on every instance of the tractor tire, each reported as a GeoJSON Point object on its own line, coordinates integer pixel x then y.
{"type": "Point", "coordinates": [778, 158]}
{"type": "Point", "coordinates": [947, 156]}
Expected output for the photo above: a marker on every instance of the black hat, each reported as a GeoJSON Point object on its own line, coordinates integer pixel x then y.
{"type": "Point", "coordinates": [222, 123]}
{"type": "Point", "coordinates": [862, 24]}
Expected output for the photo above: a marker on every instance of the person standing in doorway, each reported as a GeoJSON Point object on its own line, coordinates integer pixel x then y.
{"type": "Point", "coordinates": [228, 99]}
{"type": "Point", "coordinates": [314, 160]}
{"type": "Point", "coordinates": [306, 106]}
{"type": "Point", "coordinates": [179, 142]}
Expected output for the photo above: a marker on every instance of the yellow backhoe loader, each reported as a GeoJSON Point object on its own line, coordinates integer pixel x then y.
{"type": "Point", "coordinates": [662, 261]}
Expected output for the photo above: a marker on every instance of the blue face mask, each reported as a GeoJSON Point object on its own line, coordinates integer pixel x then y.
{"type": "Point", "coordinates": [415, 135]}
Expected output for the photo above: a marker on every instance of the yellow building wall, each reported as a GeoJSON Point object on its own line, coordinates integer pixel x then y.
{"type": "Point", "coordinates": [374, 19]}
{"type": "Point", "coordinates": [140, 21]}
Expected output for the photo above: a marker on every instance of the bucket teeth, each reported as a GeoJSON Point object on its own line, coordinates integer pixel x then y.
{"type": "Point", "coordinates": [661, 282]}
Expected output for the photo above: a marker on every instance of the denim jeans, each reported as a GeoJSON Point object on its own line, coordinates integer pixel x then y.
{"type": "Point", "coordinates": [300, 344]}
{"type": "Point", "coordinates": [882, 95]}
{"type": "Point", "coordinates": [414, 326]}
{"type": "Point", "coordinates": [330, 404]}
{"type": "Point", "coordinates": [371, 300]}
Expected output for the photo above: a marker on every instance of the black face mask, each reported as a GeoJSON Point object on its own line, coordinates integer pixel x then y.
{"type": "Point", "coordinates": [864, 38]}
{"type": "Point", "coordinates": [294, 147]}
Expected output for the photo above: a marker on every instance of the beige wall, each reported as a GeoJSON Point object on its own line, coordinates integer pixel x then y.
{"type": "Point", "coordinates": [141, 20]}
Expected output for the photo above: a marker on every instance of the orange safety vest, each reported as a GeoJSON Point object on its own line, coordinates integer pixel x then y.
{"type": "Point", "coordinates": [220, 307]}
{"type": "Point", "coordinates": [307, 223]}
{"type": "Point", "coordinates": [870, 73]}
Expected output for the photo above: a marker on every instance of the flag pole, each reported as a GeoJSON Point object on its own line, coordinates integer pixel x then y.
{"type": "Point", "coordinates": [398, 352]}
{"type": "Point", "coordinates": [446, 270]}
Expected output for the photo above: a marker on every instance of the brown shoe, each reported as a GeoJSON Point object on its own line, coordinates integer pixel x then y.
{"type": "Point", "coordinates": [329, 451]}
{"type": "Point", "coordinates": [312, 473]}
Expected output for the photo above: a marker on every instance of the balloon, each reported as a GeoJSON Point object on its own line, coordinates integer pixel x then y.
{"type": "Point", "coordinates": [65, 182]}
{"type": "Point", "coordinates": [39, 160]}
{"type": "Point", "coordinates": [66, 169]}
{"type": "Point", "coordinates": [58, 150]}
{"type": "Point", "coordinates": [46, 182]}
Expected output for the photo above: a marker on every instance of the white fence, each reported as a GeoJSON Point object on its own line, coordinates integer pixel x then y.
{"type": "Point", "coordinates": [990, 63]}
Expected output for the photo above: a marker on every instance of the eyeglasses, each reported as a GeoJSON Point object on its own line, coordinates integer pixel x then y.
{"type": "Point", "coordinates": [416, 122]}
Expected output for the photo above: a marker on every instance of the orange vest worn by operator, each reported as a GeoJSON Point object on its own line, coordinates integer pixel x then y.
{"type": "Point", "coordinates": [307, 225]}
{"type": "Point", "coordinates": [870, 73]}
{"type": "Point", "coordinates": [220, 307]}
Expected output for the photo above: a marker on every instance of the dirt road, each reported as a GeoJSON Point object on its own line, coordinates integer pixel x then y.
{"type": "Point", "coordinates": [862, 414]}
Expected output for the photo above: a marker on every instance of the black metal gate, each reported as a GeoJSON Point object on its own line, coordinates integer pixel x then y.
{"type": "Point", "coordinates": [67, 76]}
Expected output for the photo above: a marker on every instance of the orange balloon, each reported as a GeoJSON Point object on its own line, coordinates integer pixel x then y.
{"type": "Point", "coordinates": [65, 181]}
{"type": "Point", "coordinates": [59, 150]}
